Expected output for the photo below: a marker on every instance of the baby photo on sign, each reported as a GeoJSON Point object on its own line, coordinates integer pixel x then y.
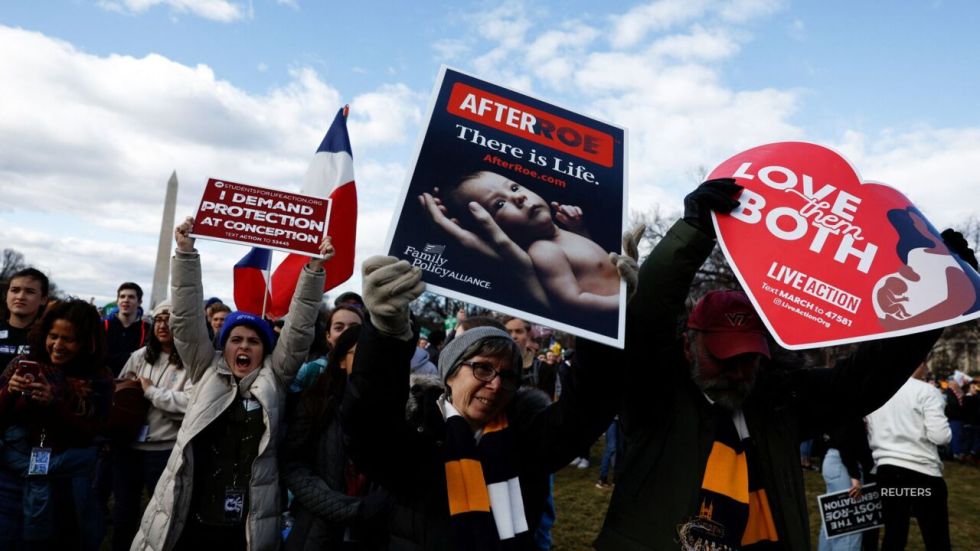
{"type": "Point", "coordinates": [501, 219]}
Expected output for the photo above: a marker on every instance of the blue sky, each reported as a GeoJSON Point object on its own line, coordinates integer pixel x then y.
{"type": "Point", "coordinates": [102, 99]}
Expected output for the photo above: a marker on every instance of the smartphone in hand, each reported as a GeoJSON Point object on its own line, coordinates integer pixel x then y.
{"type": "Point", "coordinates": [28, 370]}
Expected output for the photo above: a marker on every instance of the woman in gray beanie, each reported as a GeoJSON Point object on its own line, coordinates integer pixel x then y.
{"type": "Point", "coordinates": [471, 470]}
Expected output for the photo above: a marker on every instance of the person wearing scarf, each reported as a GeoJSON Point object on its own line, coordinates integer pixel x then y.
{"type": "Point", "coordinates": [469, 469]}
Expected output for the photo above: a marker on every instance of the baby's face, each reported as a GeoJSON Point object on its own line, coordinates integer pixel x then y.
{"type": "Point", "coordinates": [512, 206]}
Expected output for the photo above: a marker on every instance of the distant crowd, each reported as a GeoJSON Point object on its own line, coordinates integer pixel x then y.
{"type": "Point", "coordinates": [360, 426]}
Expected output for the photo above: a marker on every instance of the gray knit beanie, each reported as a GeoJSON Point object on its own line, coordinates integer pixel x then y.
{"type": "Point", "coordinates": [162, 308]}
{"type": "Point", "coordinates": [452, 354]}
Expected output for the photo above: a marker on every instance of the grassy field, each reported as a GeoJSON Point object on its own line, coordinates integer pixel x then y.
{"type": "Point", "coordinates": [581, 507]}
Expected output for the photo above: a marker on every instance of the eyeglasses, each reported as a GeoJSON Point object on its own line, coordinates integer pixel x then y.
{"type": "Point", "coordinates": [486, 373]}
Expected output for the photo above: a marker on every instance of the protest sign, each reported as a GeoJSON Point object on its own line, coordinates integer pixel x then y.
{"type": "Point", "coordinates": [829, 259]}
{"type": "Point", "coordinates": [841, 515]}
{"type": "Point", "coordinates": [260, 217]}
{"type": "Point", "coordinates": [513, 204]}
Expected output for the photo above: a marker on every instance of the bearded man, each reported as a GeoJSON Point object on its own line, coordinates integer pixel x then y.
{"type": "Point", "coordinates": [712, 420]}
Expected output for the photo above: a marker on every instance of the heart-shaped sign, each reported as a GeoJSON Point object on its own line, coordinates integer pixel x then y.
{"type": "Point", "coordinates": [828, 259]}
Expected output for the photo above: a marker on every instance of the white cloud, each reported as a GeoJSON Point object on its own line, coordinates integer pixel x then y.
{"type": "Point", "coordinates": [660, 77]}
{"type": "Point", "coordinates": [699, 44]}
{"type": "Point", "coordinates": [632, 27]}
{"type": "Point", "coordinates": [215, 10]}
{"type": "Point", "coordinates": [87, 143]}
{"type": "Point", "coordinates": [739, 11]}
{"type": "Point", "coordinates": [385, 116]}
{"type": "Point", "coordinates": [934, 168]}
{"type": "Point", "coordinates": [450, 49]}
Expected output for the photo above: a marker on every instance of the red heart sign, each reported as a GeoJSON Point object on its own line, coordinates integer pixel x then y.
{"type": "Point", "coordinates": [828, 259]}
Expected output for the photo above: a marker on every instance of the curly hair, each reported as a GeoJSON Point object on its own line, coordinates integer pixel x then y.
{"type": "Point", "coordinates": [85, 320]}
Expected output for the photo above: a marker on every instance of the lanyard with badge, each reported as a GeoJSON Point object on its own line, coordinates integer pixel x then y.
{"type": "Point", "coordinates": [40, 458]}
{"type": "Point", "coordinates": [234, 505]}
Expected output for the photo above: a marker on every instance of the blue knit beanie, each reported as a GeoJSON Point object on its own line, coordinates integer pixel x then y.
{"type": "Point", "coordinates": [252, 321]}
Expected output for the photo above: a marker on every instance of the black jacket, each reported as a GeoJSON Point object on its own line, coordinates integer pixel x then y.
{"type": "Point", "coordinates": [313, 462]}
{"type": "Point", "coordinates": [669, 427]}
{"type": "Point", "coordinates": [407, 457]}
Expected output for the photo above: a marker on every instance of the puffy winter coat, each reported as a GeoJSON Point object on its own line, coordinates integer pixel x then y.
{"type": "Point", "coordinates": [215, 389]}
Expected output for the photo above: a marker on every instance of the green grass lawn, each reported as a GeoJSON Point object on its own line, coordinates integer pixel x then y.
{"type": "Point", "coordinates": [581, 506]}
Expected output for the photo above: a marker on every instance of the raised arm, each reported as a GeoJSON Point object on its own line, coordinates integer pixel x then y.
{"type": "Point", "coordinates": [865, 380]}
{"type": "Point", "coordinates": [381, 442]}
{"type": "Point", "coordinates": [187, 320]}
{"type": "Point", "coordinates": [666, 274]}
{"type": "Point", "coordinates": [663, 285]}
{"type": "Point", "coordinates": [858, 384]}
{"type": "Point", "coordinates": [297, 333]}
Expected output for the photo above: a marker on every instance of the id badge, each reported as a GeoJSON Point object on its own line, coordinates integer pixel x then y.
{"type": "Point", "coordinates": [144, 433]}
{"type": "Point", "coordinates": [40, 462]}
{"type": "Point", "coordinates": [234, 504]}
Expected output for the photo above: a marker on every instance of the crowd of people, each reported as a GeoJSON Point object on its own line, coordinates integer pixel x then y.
{"type": "Point", "coordinates": [360, 427]}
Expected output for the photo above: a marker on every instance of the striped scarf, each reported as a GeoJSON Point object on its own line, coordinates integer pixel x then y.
{"type": "Point", "coordinates": [485, 504]}
{"type": "Point", "coordinates": [733, 510]}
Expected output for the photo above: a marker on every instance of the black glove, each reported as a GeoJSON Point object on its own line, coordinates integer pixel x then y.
{"type": "Point", "coordinates": [374, 503]}
{"type": "Point", "coordinates": [711, 195]}
{"type": "Point", "coordinates": [955, 242]}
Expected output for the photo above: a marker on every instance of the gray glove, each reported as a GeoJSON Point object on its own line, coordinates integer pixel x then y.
{"type": "Point", "coordinates": [389, 285]}
{"type": "Point", "coordinates": [626, 263]}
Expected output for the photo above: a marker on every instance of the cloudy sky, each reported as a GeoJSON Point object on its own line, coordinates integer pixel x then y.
{"type": "Point", "coordinates": [102, 99]}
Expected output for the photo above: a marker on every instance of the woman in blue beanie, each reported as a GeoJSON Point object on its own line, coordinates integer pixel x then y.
{"type": "Point", "coordinates": [220, 488]}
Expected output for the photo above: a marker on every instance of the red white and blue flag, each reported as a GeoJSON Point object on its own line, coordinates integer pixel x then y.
{"type": "Point", "coordinates": [251, 277]}
{"type": "Point", "coordinates": [331, 173]}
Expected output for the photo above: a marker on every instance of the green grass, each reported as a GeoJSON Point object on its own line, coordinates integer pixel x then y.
{"type": "Point", "coordinates": [581, 506]}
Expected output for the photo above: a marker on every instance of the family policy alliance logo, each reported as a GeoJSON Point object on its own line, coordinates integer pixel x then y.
{"type": "Point", "coordinates": [429, 259]}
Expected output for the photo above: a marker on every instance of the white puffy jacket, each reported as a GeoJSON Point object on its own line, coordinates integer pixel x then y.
{"type": "Point", "coordinates": [215, 388]}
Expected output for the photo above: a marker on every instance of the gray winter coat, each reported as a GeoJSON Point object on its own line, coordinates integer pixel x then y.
{"type": "Point", "coordinates": [215, 389]}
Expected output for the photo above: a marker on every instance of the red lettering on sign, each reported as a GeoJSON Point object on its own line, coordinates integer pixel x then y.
{"type": "Point", "coordinates": [532, 124]}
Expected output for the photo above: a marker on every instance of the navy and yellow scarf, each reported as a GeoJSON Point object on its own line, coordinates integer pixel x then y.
{"type": "Point", "coordinates": [486, 507]}
{"type": "Point", "coordinates": [733, 510]}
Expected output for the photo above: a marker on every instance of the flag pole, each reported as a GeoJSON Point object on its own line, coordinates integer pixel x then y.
{"type": "Point", "coordinates": [265, 295]}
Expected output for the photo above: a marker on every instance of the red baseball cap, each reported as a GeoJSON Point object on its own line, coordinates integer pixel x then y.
{"type": "Point", "coordinates": [729, 324]}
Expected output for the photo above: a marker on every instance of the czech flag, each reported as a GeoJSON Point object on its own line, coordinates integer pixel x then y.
{"type": "Point", "coordinates": [331, 174]}
{"type": "Point", "coordinates": [251, 281]}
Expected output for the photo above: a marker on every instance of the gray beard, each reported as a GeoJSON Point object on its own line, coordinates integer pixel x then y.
{"type": "Point", "coordinates": [727, 394]}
